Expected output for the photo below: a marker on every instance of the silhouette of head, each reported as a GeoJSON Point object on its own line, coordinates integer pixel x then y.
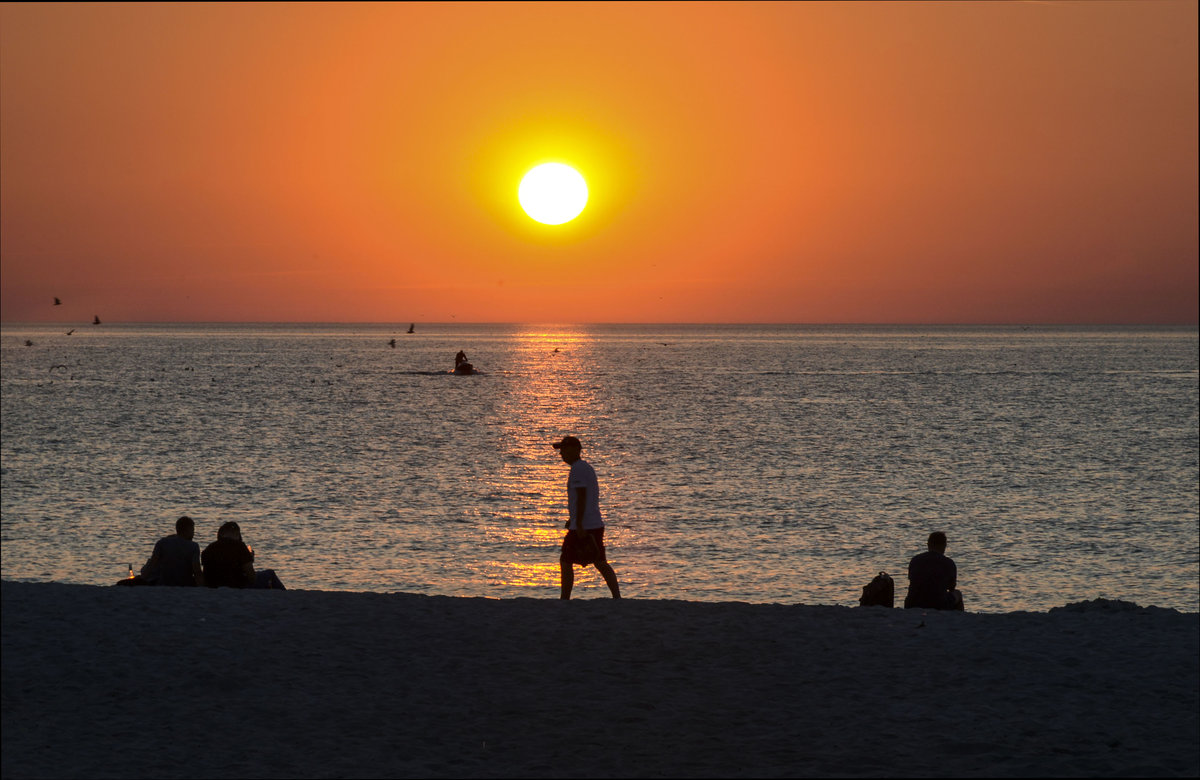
{"type": "Point", "coordinates": [185, 527]}
{"type": "Point", "coordinates": [937, 541]}
{"type": "Point", "coordinates": [569, 447]}
{"type": "Point", "coordinates": [230, 530]}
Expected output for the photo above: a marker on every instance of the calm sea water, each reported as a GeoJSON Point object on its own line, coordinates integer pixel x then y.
{"type": "Point", "coordinates": [737, 463]}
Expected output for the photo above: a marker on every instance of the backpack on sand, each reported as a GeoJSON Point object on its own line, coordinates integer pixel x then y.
{"type": "Point", "coordinates": [879, 592]}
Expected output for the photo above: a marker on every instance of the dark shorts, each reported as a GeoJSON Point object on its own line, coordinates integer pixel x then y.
{"type": "Point", "coordinates": [583, 550]}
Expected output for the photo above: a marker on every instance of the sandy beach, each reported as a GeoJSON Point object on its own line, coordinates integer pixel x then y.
{"type": "Point", "coordinates": [159, 682]}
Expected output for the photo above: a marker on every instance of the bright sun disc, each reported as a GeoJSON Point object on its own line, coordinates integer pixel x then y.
{"type": "Point", "coordinates": [553, 193]}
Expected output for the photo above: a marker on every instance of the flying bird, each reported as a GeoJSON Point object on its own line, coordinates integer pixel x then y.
{"type": "Point", "coordinates": [96, 319]}
{"type": "Point", "coordinates": [57, 302]}
{"type": "Point", "coordinates": [72, 330]}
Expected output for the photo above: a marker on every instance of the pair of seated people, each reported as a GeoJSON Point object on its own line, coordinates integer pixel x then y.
{"type": "Point", "coordinates": [226, 563]}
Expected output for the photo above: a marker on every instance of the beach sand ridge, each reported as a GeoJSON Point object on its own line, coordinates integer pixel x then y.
{"type": "Point", "coordinates": [177, 682]}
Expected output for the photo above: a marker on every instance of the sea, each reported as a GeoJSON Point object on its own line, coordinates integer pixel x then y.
{"type": "Point", "coordinates": [751, 463]}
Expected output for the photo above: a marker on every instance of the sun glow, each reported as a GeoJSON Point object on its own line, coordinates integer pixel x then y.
{"type": "Point", "coordinates": [553, 193]}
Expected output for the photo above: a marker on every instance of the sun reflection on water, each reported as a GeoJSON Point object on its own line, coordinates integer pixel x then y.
{"type": "Point", "coordinates": [549, 398]}
{"type": "Point", "coordinates": [523, 575]}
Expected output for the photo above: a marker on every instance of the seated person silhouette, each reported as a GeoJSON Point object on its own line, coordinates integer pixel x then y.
{"type": "Point", "coordinates": [229, 563]}
{"type": "Point", "coordinates": [932, 578]}
{"type": "Point", "coordinates": [176, 558]}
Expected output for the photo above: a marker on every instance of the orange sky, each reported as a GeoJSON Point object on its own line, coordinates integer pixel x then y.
{"type": "Point", "coordinates": [1028, 162]}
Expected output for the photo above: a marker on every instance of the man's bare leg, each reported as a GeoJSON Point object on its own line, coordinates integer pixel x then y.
{"type": "Point", "coordinates": [568, 579]}
{"type": "Point", "coordinates": [610, 578]}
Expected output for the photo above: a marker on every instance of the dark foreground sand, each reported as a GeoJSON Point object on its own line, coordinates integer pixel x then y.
{"type": "Point", "coordinates": [172, 682]}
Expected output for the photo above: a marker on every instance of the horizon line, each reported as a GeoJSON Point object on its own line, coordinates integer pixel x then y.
{"type": "Point", "coordinates": [796, 323]}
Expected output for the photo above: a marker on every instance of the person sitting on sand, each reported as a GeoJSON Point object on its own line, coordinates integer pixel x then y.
{"type": "Point", "coordinates": [229, 563]}
{"type": "Point", "coordinates": [932, 577]}
{"type": "Point", "coordinates": [176, 558]}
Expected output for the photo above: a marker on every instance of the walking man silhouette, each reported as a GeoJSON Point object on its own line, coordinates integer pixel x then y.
{"type": "Point", "coordinates": [584, 542]}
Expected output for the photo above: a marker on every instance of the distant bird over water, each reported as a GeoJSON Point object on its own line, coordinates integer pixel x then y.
{"type": "Point", "coordinates": [96, 319]}
{"type": "Point", "coordinates": [57, 302]}
{"type": "Point", "coordinates": [72, 330]}
{"type": "Point", "coordinates": [392, 343]}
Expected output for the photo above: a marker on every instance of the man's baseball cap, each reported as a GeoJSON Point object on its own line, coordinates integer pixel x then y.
{"type": "Point", "coordinates": [567, 441]}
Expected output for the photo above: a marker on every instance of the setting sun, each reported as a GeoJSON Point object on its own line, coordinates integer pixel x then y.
{"type": "Point", "coordinates": [553, 193]}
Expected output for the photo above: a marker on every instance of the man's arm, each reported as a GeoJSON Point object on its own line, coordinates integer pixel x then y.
{"type": "Point", "coordinates": [580, 507]}
{"type": "Point", "coordinates": [151, 564]}
{"type": "Point", "coordinates": [197, 570]}
{"type": "Point", "coordinates": [248, 566]}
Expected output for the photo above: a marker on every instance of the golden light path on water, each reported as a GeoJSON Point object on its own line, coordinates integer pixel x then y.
{"type": "Point", "coordinates": [556, 391]}
{"type": "Point", "coordinates": [550, 401]}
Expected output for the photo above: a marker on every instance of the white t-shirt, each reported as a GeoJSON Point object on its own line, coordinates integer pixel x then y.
{"type": "Point", "coordinates": [582, 475]}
